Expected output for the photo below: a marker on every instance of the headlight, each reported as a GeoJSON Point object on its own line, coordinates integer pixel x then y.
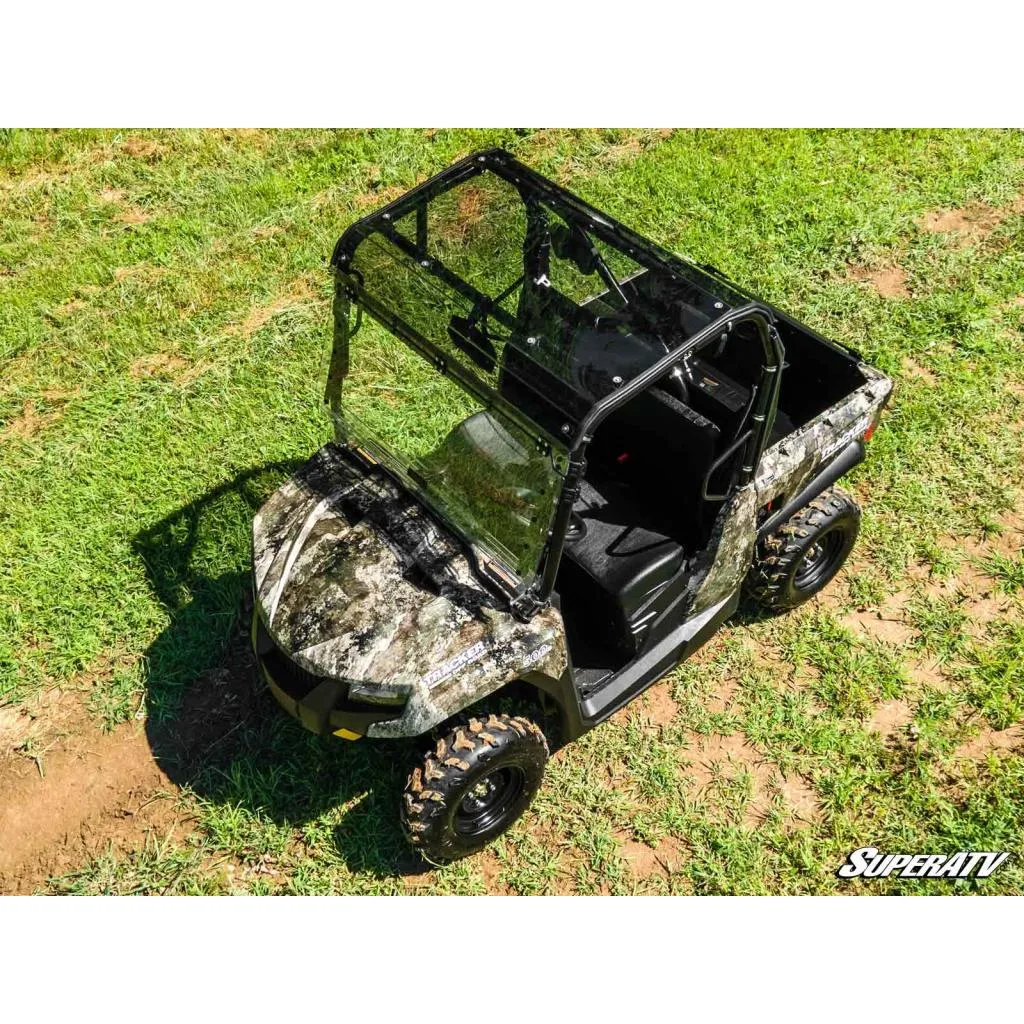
{"type": "Point", "coordinates": [369, 693]}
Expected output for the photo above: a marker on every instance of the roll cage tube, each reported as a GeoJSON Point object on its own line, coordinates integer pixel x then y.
{"type": "Point", "coordinates": [752, 440]}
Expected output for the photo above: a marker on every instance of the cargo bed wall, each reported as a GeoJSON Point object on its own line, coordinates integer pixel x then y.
{"type": "Point", "coordinates": [818, 374]}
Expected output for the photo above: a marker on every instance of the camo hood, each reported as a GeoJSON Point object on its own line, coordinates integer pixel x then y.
{"type": "Point", "coordinates": [355, 581]}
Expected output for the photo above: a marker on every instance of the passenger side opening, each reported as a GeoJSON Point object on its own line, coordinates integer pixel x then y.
{"type": "Point", "coordinates": [640, 514]}
{"type": "Point", "coordinates": [639, 517]}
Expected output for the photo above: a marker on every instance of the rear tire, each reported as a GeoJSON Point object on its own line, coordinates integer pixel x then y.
{"type": "Point", "coordinates": [801, 557]}
{"type": "Point", "coordinates": [473, 786]}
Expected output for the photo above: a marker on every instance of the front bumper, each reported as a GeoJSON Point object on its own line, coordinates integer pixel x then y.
{"type": "Point", "coordinates": [322, 705]}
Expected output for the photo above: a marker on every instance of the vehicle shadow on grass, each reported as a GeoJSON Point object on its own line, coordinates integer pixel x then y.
{"type": "Point", "coordinates": [211, 722]}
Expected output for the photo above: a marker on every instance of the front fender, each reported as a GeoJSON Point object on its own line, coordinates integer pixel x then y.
{"type": "Point", "coordinates": [509, 651]}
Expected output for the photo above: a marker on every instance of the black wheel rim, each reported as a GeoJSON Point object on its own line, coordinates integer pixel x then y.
{"type": "Point", "coordinates": [490, 802]}
{"type": "Point", "coordinates": [820, 561]}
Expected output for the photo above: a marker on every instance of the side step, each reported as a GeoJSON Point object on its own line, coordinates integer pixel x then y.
{"type": "Point", "coordinates": [636, 677]}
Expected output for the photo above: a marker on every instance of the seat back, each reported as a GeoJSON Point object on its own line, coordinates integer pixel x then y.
{"type": "Point", "coordinates": [662, 449]}
{"type": "Point", "coordinates": [657, 445]}
{"type": "Point", "coordinates": [539, 393]}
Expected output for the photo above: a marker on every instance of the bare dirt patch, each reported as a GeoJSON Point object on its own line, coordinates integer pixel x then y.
{"type": "Point", "coordinates": [977, 596]}
{"type": "Point", "coordinates": [15, 727]}
{"type": "Point", "coordinates": [890, 717]}
{"type": "Point", "coordinates": [87, 792]}
{"type": "Point", "coordinates": [890, 282]}
{"type": "Point", "coordinates": [471, 204]}
{"type": "Point", "coordinates": [91, 791]}
{"type": "Point", "coordinates": [486, 861]}
{"type": "Point", "coordinates": [971, 222]}
{"type": "Point", "coordinates": [258, 138]}
{"type": "Point", "coordinates": [164, 365]}
{"type": "Point", "coordinates": [68, 309]}
{"type": "Point", "coordinates": [1008, 541]}
{"type": "Point", "coordinates": [715, 760]}
{"type": "Point", "coordinates": [801, 799]}
{"type": "Point", "coordinates": [725, 691]}
{"type": "Point", "coordinates": [490, 868]}
{"type": "Point", "coordinates": [23, 727]}
{"type": "Point", "coordinates": [629, 149]}
{"type": "Point", "coordinates": [31, 421]}
{"type": "Point", "coordinates": [143, 149]}
{"type": "Point", "coordinates": [29, 180]}
{"type": "Point", "coordinates": [887, 622]}
{"type": "Point", "coordinates": [986, 609]}
{"type": "Point", "coordinates": [717, 757]}
{"type": "Point", "coordinates": [143, 270]}
{"type": "Point", "coordinates": [378, 196]}
{"type": "Point", "coordinates": [892, 629]}
{"type": "Point", "coordinates": [991, 741]}
{"type": "Point", "coordinates": [916, 371]}
{"type": "Point", "coordinates": [929, 674]}
{"type": "Point", "coordinates": [767, 657]}
{"type": "Point", "coordinates": [131, 216]}
{"type": "Point", "coordinates": [127, 213]}
{"type": "Point", "coordinates": [975, 219]}
{"type": "Point", "coordinates": [634, 144]}
{"type": "Point", "coordinates": [644, 861]}
{"type": "Point", "coordinates": [973, 586]}
{"type": "Point", "coordinates": [298, 292]}
{"type": "Point", "coordinates": [657, 705]}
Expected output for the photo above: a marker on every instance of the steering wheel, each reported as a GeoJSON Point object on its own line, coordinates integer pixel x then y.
{"type": "Point", "coordinates": [678, 379]}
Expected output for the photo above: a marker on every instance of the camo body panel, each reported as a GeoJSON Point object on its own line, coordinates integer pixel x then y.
{"type": "Point", "coordinates": [791, 462]}
{"type": "Point", "coordinates": [784, 468]}
{"type": "Point", "coordinates": [356, 582]}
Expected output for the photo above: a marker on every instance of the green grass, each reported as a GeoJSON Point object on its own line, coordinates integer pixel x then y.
{"type": "Point", "coordinates": [1008, 571]}
{"type": "Point", "coordinates": [164, 317]}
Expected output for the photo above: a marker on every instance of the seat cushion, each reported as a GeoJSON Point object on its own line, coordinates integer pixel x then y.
{"type": "Point", "coordinates": [626, 557]}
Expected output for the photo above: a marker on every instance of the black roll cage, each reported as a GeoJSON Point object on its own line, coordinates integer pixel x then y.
{"type": "Point", "coordinates": [751, 439]}
{"type": "Point", "coordinates": [751, 436]}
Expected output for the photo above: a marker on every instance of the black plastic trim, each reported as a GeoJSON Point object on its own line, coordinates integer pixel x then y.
{"type": "Point", "coordinates": [850, 456]}
{"type": "Point", "coordinates": [646, 670]}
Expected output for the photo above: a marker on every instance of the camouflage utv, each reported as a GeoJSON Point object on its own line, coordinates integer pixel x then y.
{"type": "Point", "coordinates": [561, 455]}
